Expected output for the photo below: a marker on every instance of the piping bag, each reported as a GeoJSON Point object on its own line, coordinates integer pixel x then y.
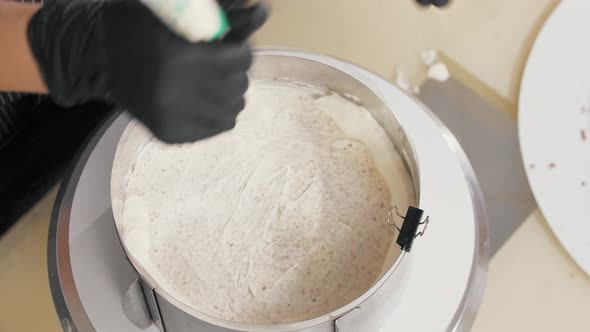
{"type": "Point", "coordinates": [194, 20]}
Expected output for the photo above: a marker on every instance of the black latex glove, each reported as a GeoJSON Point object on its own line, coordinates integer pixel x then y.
{"type": "Point", "coordinates": [437, 3]}
{"type": "Point", "coordinates": [120, 52]}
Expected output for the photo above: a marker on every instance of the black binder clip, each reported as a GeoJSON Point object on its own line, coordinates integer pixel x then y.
{"type": "Point", "coordinates": [408, 232]}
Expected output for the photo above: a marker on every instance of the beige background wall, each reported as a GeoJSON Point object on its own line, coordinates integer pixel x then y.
{"type": "Point", "coordinates": [480, 36]}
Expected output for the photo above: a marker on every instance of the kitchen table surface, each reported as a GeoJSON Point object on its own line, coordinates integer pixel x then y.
{"type": "Point", "coordinates": [533, 285]}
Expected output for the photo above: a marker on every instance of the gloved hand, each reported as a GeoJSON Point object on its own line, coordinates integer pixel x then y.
{"type": "Point", "coordinates": [120, 52]}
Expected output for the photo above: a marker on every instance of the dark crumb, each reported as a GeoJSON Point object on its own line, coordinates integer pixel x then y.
{"type": "Point", "coordinates": [532, 166]}
{"type": "Point", "coordinates": [263, 287]}
{"type": "Point", "coordinates": [583, 134]}
{"type": "Point", "coordinates": [552, 165]}
{"type": "Point", "coordinates": [314, 300]}
{"type": "Point", "coordinates": [583, 184]}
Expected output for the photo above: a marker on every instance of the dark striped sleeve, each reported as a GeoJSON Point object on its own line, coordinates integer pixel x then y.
{"type": "Point", "coordinates": [7, 117]}
{"type": "Point", "coordinates": [15, 109]}
{"type": "Point", "coordinates": [11, 115]}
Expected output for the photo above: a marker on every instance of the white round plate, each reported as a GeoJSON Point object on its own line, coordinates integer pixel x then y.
{"type": "Point", "coordinates": [554, 125]}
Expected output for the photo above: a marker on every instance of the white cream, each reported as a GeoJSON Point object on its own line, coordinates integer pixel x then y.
{"type": "Point", "coordinates": [195, 20]}
{"type": "Point", "coordinates": [280, 220]}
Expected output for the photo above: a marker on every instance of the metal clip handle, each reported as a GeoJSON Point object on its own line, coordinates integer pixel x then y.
{"type": "Point", "coordinates": [135, 306]}
{"type": "Point", "coordinates": [140, 306]}
{"type": "Point", "coordinates": [408, 232]}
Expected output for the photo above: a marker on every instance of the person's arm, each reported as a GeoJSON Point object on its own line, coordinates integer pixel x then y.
{"type": "Point", "coordinates": [118, 51]}
{"type": "Point", "coordinates": [18, 69]}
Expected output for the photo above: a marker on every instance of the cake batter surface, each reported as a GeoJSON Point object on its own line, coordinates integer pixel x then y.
{"type": "Point", "coordinates": [280, 220]}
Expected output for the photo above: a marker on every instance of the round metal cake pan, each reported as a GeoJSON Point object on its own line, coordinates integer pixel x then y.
{"type": "Point", "coordinates": [89, 273]}
{"type": "Point", "coordinates": [281, 65]}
